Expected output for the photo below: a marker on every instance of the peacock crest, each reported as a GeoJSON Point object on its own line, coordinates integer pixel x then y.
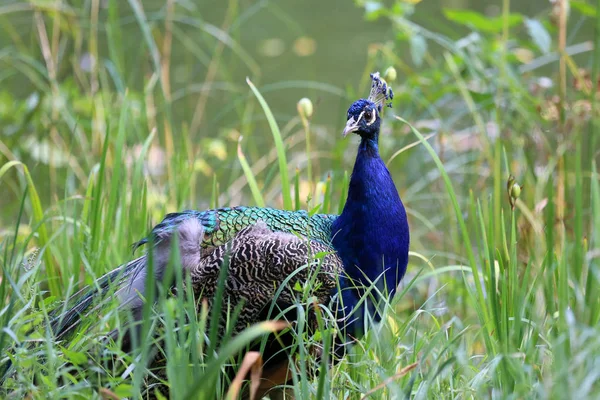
{"type": "Point", "coordinates": [380, 92]}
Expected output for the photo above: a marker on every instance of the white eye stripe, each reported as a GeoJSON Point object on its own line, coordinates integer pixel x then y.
{"type": "Point", "coordinates": [360, 117]}
{"type": "Point", "coordinates": [373, 118]}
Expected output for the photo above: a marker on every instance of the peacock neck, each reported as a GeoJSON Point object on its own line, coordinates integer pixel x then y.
{"type": "Point", "coordinates": [368, 147]}
{"type": "Point", "coordinates": [371, 235]}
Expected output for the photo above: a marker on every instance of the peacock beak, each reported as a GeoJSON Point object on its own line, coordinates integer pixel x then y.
{"type": "Point", "coordinates": [351, 126]}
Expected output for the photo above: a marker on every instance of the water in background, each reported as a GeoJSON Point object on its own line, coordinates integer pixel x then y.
{"type": "Point", "coordinates": [290, 49]}
{"type": "Point", "coordinates": [284, 40]}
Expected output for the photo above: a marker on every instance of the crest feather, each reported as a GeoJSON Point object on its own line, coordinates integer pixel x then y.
{"type": "Point", "coordinates": [380, 92]}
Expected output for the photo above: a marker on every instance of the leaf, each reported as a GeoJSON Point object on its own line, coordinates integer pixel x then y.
{"type": "Point", "coordinates": [124, 390]}
{"type": "Point", "coordinates": [418, 48]}
{"type": "Point", "coordinates": [320, 255]}
{"type": "Point", "coordinates": [584, 8]}
{"type": "Point", "coordinates": [317, 336]}
{"type": "Point", "coordinates": [480, 22]}
{"type": "Point", "coordinates": [314, 210]}
{"type": "Point", "coordinates": [484, 100]}
{"type": "Point", "coordinates": [75, 357]}
{"type": "Point", "coordinates": [539, 34]}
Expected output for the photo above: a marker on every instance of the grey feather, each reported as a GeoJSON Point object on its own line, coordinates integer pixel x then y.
{"type": "Point", "coordinates": [190, 233]}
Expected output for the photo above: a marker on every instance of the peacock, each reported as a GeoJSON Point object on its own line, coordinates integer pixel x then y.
{"type": "Point", "coordinates": [364, 250]}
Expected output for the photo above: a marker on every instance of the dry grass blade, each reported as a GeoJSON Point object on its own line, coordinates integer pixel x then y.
{"type": "Point", "coordinates": [391, 379]}
{"type": "Point", "coordinates": [106, 394]}
{"type": "Point", "coordinates": [252, 363]}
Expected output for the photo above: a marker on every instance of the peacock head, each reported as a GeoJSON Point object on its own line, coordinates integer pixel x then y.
{"type": "Point", "coordinates": [364, 115]}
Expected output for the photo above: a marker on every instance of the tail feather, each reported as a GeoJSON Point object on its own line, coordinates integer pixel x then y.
{"type": "Point", "coordinates": [86, 300]}
{"type": "Point", "coordinates": [127, 283]}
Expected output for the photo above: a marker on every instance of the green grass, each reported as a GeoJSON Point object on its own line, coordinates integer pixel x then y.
{"type": "Point", "coordinates": [498, 302]}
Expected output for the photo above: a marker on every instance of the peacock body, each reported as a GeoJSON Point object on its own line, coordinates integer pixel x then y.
{"type": "Point", "coordinates": [367, 243]}
{"type": "Point", "coordinates": [219, 227]}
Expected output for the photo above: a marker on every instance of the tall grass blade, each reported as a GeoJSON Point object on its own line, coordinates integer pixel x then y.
{"type": "Point", "coordinates": [252, 184]}
{"type": "Point", "coordinates": [281, 157]}
{"type": "Point", "coordinates": [52, 271]}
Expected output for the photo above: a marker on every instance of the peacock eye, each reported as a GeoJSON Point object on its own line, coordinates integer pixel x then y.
{"type": "Point", "coordinates": [370, 116]}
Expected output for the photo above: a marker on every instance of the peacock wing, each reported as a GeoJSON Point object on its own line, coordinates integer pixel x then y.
{"type": "Point", "coordinates": [265, 265]}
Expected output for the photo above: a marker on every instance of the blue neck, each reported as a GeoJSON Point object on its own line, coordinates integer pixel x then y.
{"type": "Point", "coordinates": [369, 147]}
{"type": "Point", "coordinates": [371, 235]}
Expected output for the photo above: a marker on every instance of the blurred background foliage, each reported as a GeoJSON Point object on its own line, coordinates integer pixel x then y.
{"type": "Point", "coordinates": [67, 64]}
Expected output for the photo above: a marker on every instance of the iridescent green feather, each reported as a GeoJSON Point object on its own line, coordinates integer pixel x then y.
{"type": "Point", "coordinates": [222, 224]}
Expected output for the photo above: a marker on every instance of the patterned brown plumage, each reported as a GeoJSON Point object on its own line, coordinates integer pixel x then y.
{"type": "Point", "coordinates": [265, 266]}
